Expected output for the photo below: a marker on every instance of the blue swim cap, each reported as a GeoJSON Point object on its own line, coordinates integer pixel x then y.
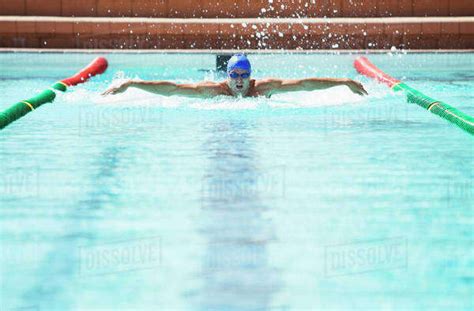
{"type": "Point", "coordinates": [239, 61]}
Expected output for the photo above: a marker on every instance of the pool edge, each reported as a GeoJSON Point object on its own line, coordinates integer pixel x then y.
{"type": "Point", "coordinates": [249, 51]}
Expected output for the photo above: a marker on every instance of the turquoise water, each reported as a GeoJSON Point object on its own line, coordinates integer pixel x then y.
{"type": "Point", "coordinates": [321, 200]}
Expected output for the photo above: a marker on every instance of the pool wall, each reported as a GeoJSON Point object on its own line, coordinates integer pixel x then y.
{"type": "Point", "coordinates": [223, 24]}
{"type": "Point", "coordinates": [236, 9]}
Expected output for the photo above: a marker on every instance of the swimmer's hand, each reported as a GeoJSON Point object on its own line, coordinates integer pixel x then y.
{"type": "Point", "coordinates": [117, 90]}
{"type": "Point", "coordinates": [356, 87]}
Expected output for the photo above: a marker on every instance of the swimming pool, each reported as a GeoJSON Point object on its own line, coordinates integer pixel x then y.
{"type": "Point", "coordinates": [321, 200]}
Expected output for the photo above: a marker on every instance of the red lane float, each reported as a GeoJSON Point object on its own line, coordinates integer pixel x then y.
{"type": "Point", "coordinates": [365, 67]}
{"type": "Point", "coordinates": [96, 67]}
{"type": "Point", "coordinates": [445, 111]}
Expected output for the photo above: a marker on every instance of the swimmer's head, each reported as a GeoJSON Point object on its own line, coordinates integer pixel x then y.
{"type": "Point", "coordinates": [239, 61]}
{"type": "Point", "coordinates": [238, 74]}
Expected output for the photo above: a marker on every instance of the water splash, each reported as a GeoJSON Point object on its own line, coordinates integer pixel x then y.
{"type": "Point", "coordinates": [338, 96]}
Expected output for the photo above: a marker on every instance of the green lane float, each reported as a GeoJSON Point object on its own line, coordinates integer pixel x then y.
{"type": "Point", "coordinates": [18, 110]}
{"type": "Point", "coordinates": [445, 111]}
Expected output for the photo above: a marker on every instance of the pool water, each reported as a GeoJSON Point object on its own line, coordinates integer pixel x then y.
{"type": "Point", "coordinates": [316, 200]}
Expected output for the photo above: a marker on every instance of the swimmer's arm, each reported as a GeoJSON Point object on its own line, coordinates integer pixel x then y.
{"type": "Point", "coordinates": [166, 88]}
{"type": "Point", "coordinates": [275, 86]}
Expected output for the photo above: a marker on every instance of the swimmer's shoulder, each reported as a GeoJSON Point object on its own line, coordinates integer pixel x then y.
{"type": "Point", "coordinates": [267, 83]}
{"type": "Point", "coordinates": [214, 88]}
{"type": "Point", "coordinates": [264, 87]}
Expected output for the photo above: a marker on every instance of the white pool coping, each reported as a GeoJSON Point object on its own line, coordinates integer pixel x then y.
{"type": "Point", "coordinates": [335, 20]}
{"type": "Point", "coordinates": [247, 51]}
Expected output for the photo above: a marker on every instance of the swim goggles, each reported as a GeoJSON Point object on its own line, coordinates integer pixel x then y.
{"type": "Point", "coordinates": [235, 75]}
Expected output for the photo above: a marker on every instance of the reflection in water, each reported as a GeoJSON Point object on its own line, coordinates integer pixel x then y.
{"type": "Point", "coordinates": [235, 270]}
{"type": "Point", "coordinates": [60, 266]}
{"type": "Point", "coordinates": [106, 180]}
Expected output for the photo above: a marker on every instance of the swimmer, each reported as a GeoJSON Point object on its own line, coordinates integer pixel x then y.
{"type": "Point", "coordinates": [238, 84]}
